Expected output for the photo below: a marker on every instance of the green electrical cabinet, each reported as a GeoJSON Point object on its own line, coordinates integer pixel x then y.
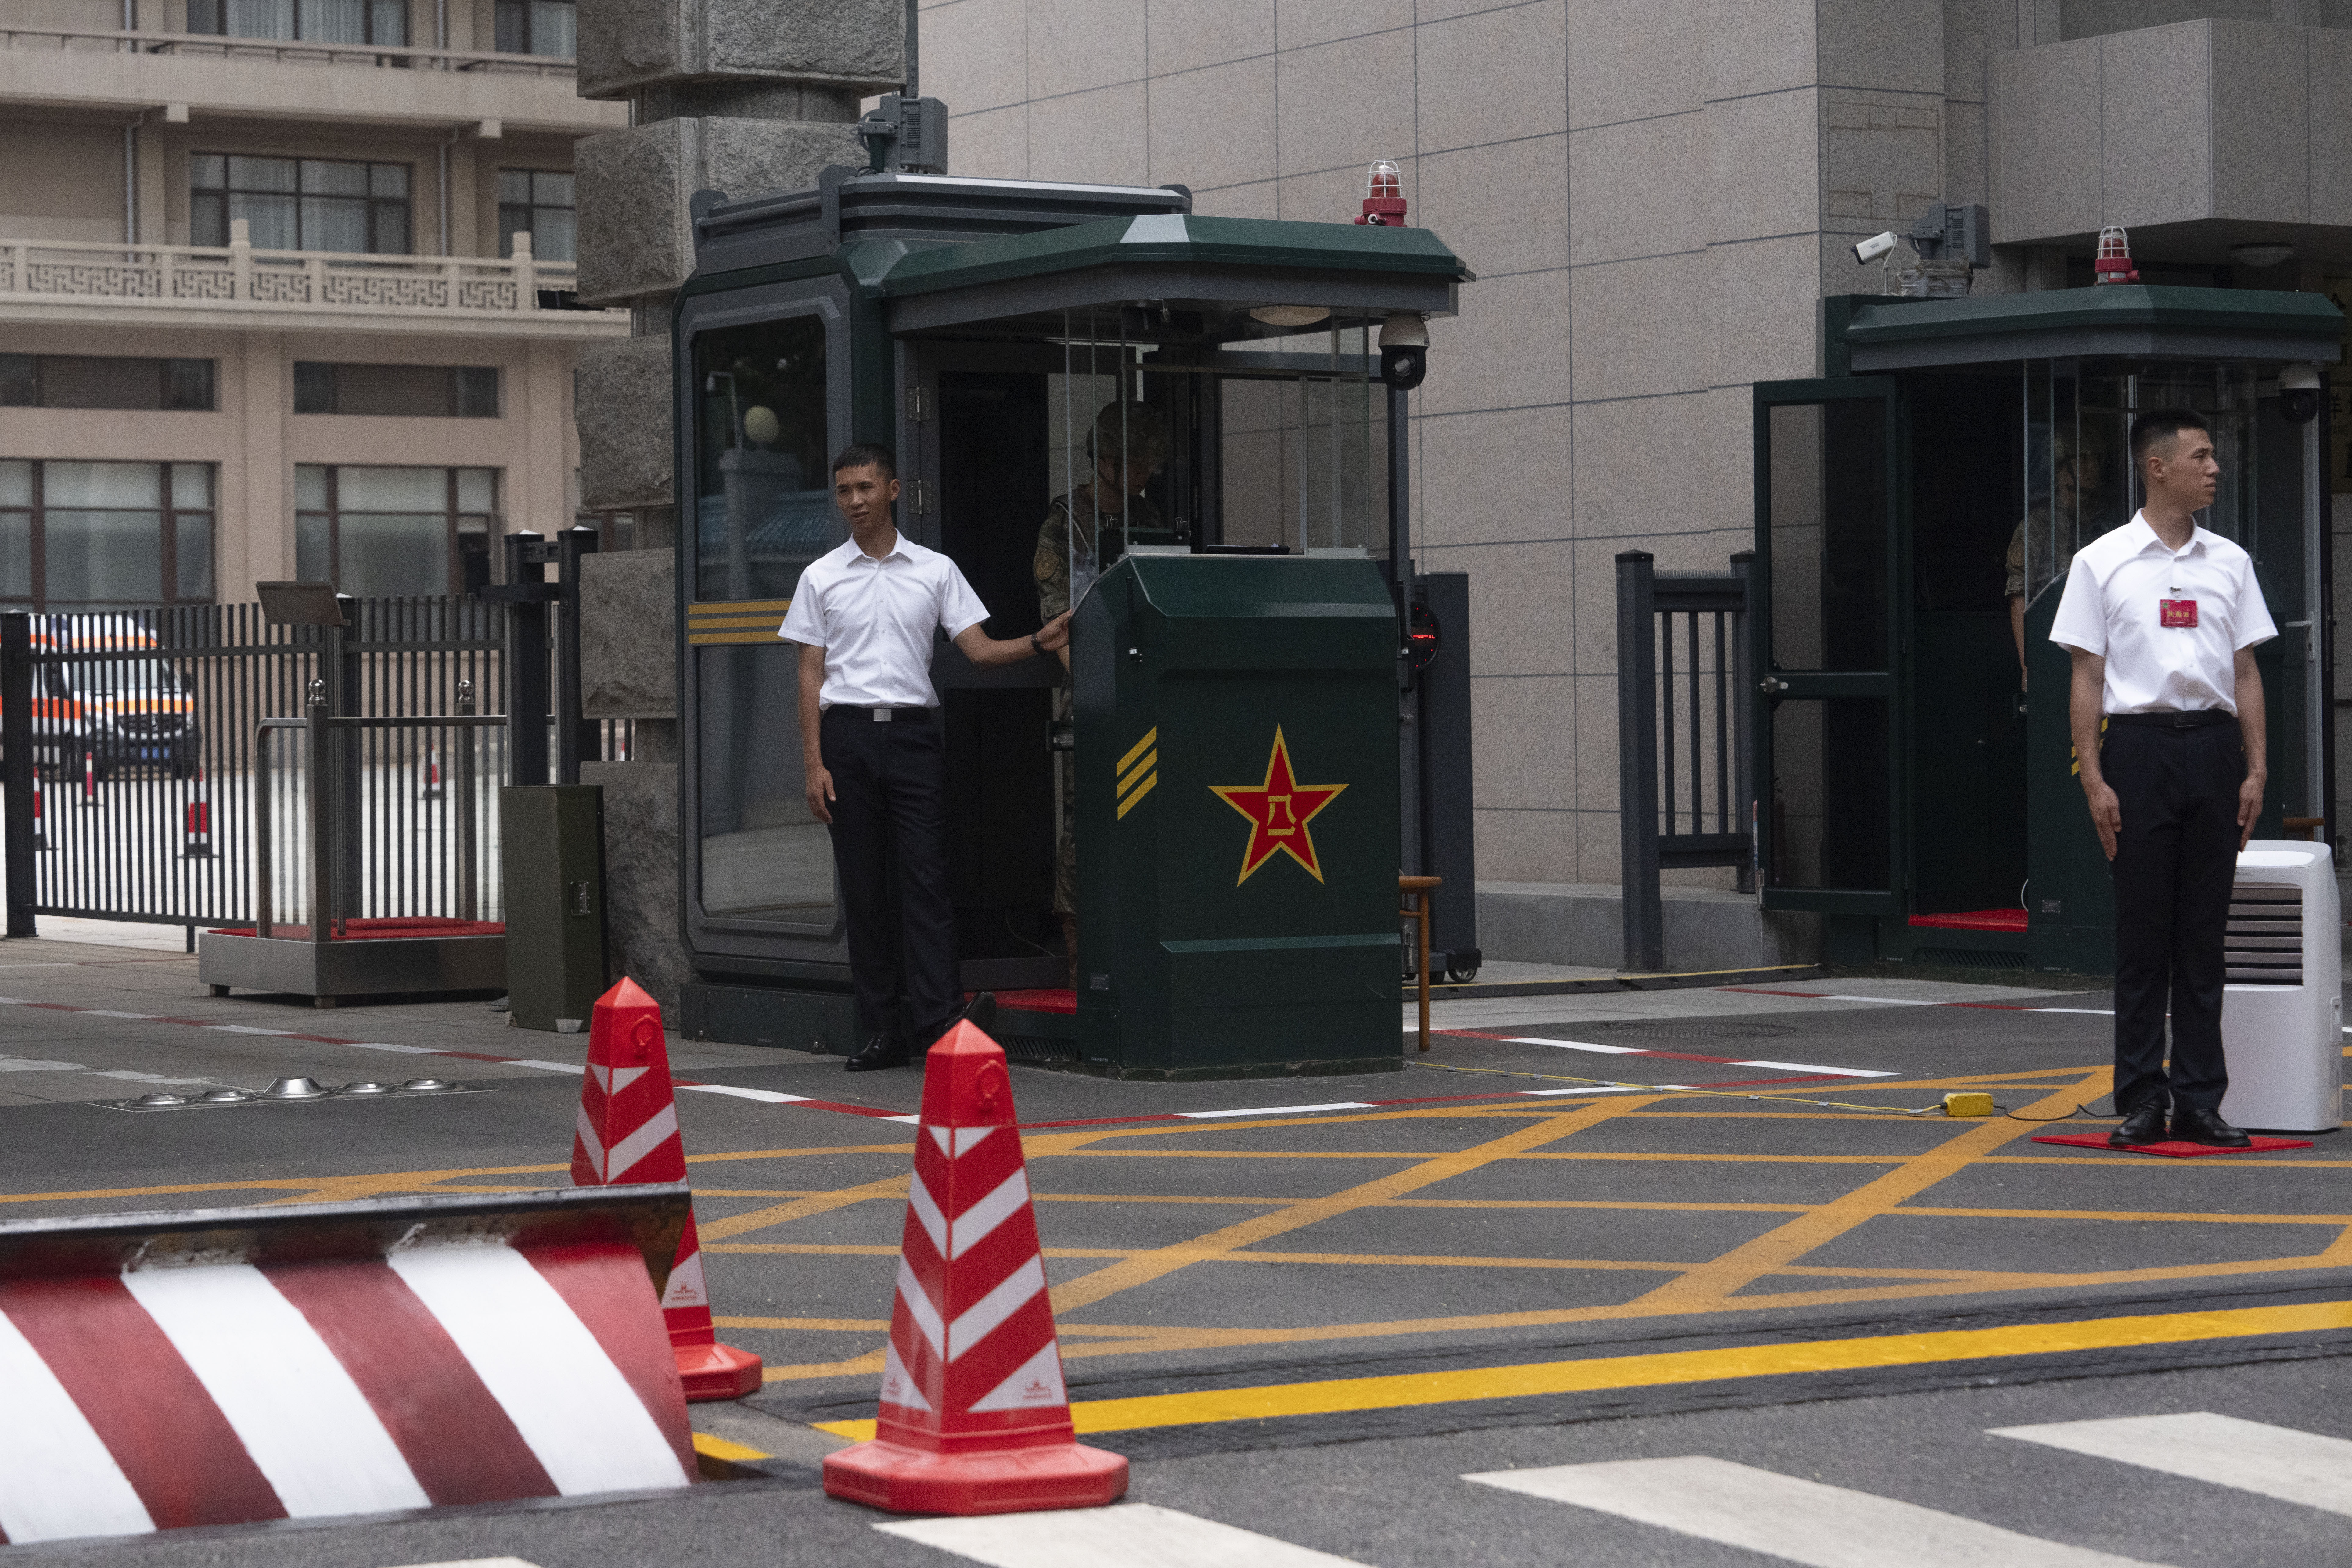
{"type": "Point", "coordinates": [552, 839]}
{"type": "Point", "coordinates": [1238, 817]}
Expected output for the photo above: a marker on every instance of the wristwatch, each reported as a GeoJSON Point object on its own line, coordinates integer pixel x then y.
{"type": "Point", "coordinates": [1038, 647]}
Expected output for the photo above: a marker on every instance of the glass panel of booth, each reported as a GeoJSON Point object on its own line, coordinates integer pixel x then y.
{"type": "Point", "coordinates": [760, 398]}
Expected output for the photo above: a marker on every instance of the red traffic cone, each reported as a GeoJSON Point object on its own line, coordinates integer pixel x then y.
{"type": "Point", "coordinates": [198, 828]}
{"type": "Point", "coordinates": [974, 1417]}
{"type": "Point", "coordinates": [628, 1132]}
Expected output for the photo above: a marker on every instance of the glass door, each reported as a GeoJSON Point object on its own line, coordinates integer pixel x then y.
{"type": "Point", "coordinates": [1828, 730]}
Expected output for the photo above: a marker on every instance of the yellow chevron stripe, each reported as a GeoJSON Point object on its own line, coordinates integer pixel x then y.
{"type": "Point", "coordinates": [1137, 771]}
{"type": "Point", "coordinates": [1146, 787]}
{"type": "Point", "coordinates": [705, 639]}
{"type": "Point", "coordinates": [775, 607]}
{"type": "Point", "coordinates": [1137, 749]}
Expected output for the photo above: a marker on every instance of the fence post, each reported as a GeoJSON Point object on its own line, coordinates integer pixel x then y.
{"type": "Point", "coordinates": [574, 737]}
{"type": "Point", "coordinates": [318, 761]}
{"type": "Point", "coordinates": [468, 885]}
{"type": "Point", "coordinates": [1637, 760]}
{"type": "Point", "coordinates": [16, 766]}
{"type": "Point", "coordinates": [526, 657]}
{"type": "Point", "coordinates": [1743, 704]}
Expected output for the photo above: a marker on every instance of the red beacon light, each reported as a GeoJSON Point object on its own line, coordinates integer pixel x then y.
{"type": "Point", "coordinates": [2114, 263]}
{"type": "Point", "coordinates": [1383, 197]}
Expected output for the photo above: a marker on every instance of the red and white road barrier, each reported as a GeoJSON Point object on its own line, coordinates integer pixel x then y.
{"type": "Point", "coordinates": [627, 1131]}
{"type": "Point", "coordinates": [198, 828]}
{"type": "Point", "coordinates": [973, 1415]}
{"type": "Point", "coordinates": [237, 1366]}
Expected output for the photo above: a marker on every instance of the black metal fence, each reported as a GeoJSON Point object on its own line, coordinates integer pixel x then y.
{"type": "Point", "coordinates": [141, 762]}
{"type": "Point", "coordinates": [1682, 680]}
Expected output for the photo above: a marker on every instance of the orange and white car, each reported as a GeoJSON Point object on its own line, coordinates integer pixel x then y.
{"type": "Point", "coordinates": [117, 698]}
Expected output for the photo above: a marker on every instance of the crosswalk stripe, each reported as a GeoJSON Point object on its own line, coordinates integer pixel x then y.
{"type": "Point", "coordinates": [1783, 1516]}
{"type": "Point", "coordinates": [2251, 1455]}
{"type": "Point", "coordinates": [1134, 1533]}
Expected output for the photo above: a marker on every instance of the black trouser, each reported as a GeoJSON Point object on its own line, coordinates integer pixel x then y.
{"type": "Point", "coordinates": [890, 846]}
{"type": "Point", "coordinates": [2176, 861]}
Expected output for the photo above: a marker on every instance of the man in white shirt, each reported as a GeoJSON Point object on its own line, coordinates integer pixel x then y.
{"type": "Point", "coordinates": [865, 615]}
{"type": "Point", "coordinates": [2162, 618]}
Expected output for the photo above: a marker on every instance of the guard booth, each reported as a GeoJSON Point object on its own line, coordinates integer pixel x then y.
{"type": "Point", "coordinates": [1239, 768]}
{"type": "Point", "coordinates": [1917, 511]}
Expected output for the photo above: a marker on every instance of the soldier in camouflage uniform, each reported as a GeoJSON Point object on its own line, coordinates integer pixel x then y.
{"type": "Point", "coordinates": [1129, 445]}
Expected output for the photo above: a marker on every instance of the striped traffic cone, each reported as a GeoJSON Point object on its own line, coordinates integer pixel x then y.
{"type": "Point", "coordinates": [627, 1131]}
{"type": "Point", "coordinates": [197, 831]}
{"type": "Point", "coordinates": [431, 774]}
{"type": "Point", "coordinates": [974, 1417]}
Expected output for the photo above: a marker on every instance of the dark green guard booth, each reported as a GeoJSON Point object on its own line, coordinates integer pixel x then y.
{"type": "Point", "coordinates": [1251, 590]}
{"type": "Point", "coordinates": [1915, 512]}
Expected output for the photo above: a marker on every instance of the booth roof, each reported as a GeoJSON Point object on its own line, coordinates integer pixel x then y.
{"type": "Point", "coordinates": [1173, 238]}
{"type": "Point", "coordinates": [2264, 319]}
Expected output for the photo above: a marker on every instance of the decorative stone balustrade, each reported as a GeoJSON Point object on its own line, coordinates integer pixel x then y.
{"type": "Point", "coordinates": [239, 278]}
{"type": "Point", "coordinates": [297, 51]}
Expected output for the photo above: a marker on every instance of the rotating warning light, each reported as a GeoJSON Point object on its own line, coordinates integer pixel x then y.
{"type": "Point", "coordinates": [1383, 195]}
{"type": "Point", "coordinates": [2114, 264]}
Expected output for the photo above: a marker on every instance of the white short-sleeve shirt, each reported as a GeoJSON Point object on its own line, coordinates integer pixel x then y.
{"type": "Point", "coordinates": [2161, 660]}
{"type": "Point", "coordinates": [874, 618]}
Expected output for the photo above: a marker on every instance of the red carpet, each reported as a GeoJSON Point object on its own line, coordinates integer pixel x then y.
{"type": "Point", "coordinates": [2171, 1151]}
{"type": "Point", "coordinates": [1063, 1001]}
{"type": "Point", "coordinates": [1974, 920]}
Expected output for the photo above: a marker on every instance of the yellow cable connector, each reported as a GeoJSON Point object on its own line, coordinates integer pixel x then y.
{"type": "Point", "coordinates": [1968, 1105]}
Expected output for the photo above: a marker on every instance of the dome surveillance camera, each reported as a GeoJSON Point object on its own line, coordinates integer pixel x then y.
{"type": "Point", "coordinates": [1876, 246]}
{"type": "Point", "coordinates": [2298, 393]}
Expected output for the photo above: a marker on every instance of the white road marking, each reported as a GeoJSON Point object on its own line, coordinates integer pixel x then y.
{"type": "Point", "coordinates": [307, 1426]}
{"type": "Point", "coordinates": [56, 1479]}
{"type": "Point", "coordinates": [476, 1562]}
{"type": "Point", "coordinates": [1132, 1535]}
{"type": "Point", "coordinates": [1580, 1046]}
{"type": "Point", "coordinates": [381, 1045]}
{"type": "Point", "coordinates": [1600, 1088]}
{"type": "Point", "coordinates": [909, 1120]}
{"type": "Point", "coordinates": [22, 1064]}
{"type": "Point", "coordinates": [1876, 1000]}
{"type": "Point", "coordinates": [1278, 1110]}
{"type": "Point", "coordinates": [239, 1029]}
{"type": "Point", "coordinates": [2251, 1455]}
{"type": "Point", "coordinates": [764, 1096]}
{"type": "Point", "coordinates": [587, 1426]}
{"type": "Point", "coordinates": [2087, 1012]}
{"type": "Point", "coordinates": [1810, 1068]}
{"type": "Point", "coordinates": [110, 1013]}
{"type": "Point", "coordinates": [546, 1067]}
{"type": "Point", "coordinates": [1781, 1516]}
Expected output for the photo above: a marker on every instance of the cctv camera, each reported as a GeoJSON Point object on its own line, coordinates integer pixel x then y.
{"type": "Point", "coordinates": [2298, 393]}
{"type": "Point", "coordinates": [1404, 366]}
{"type": "Point", "coordinates": [1876, 246]}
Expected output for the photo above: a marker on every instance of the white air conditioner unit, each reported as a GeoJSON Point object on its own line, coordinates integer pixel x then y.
{"type": "Point", "coordinates": [2283, 1011]}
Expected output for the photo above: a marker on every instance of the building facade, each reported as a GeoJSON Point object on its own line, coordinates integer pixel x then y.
{"type": "Point", "coordinates": [1656, 197]}
{"type": "Point", "coordinates": [282, 290]}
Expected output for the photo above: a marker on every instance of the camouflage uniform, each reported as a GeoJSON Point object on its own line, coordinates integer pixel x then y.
{"type": "Point", "coordinates": [1051, 570]}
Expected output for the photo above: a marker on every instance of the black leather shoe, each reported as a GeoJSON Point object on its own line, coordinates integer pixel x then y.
{"type": "Point", "coordinates": [881, 1051]}
{"type": "Point", "coordinates": [2207, 1127]}
{"type": "Point", "coordinates": [2144, 1124]}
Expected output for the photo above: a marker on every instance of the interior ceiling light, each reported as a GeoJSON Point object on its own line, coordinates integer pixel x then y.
{"type": "Point", "coordinates": [2264, 255]}
{"type": "Point", "coordinates": [1290, 315]}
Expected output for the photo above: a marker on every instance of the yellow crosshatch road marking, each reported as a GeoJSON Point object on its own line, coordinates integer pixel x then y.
{"type": "Point", "coordinates": [1340, 1396]}
{"type": "Point", "coordinates": [1137, 749]}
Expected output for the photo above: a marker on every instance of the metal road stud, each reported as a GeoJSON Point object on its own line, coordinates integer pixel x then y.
{"type": "Point", "coordinates": [296, 1089]}
{"type": "Point", "coordinates": [973, 1415]}
{"type": "Point", "coordinates": [627, 1131]}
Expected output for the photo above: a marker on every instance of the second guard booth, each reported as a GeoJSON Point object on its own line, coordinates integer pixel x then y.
{"type": "Point", "coordinates": [1249, 742]}
{"type": "Point", "coordinates": [1917, 510]}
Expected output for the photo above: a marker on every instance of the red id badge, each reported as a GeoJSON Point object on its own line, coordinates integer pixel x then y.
{"type": "Point", "coordinates": [2177, 612]}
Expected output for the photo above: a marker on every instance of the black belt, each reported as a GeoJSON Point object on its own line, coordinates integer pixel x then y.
{"type": "Point", "coordinates": [880, 715]}
{"type": "Point", "coordinates": [2195, 720]}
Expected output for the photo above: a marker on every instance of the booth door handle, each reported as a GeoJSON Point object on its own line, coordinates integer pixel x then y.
{"type": "Point", "coordinates": [1772, 686]}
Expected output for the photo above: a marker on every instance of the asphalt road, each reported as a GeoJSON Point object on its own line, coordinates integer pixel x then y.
{"type": "Point", "coordinates": [1627, 1178]}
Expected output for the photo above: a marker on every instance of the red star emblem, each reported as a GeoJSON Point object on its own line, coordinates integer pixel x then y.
{"type": "Point", "coordinates": [1279, 810]}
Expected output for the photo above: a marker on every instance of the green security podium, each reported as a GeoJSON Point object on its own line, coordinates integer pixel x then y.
{"type": "Point", "coordinates": [1237, 818]}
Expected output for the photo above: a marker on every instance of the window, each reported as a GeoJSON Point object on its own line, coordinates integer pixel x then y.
{"type": "Point", "coordinates": [308, 204]}
{"type": "Point", "coordinates": [537, 202]}
{"type": "Point", "coordinates": [89, 536]}
{"type": "Point", "coordinates": [381, 532]}
{"type": "Point", "coordinates": [325, 21]}
{"type": "Point", "coordinates": [80, 381]}
{"type": "Point", "coordinates": [538, 28]}
{"type": "Point", "coordinates": [431, 391]}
